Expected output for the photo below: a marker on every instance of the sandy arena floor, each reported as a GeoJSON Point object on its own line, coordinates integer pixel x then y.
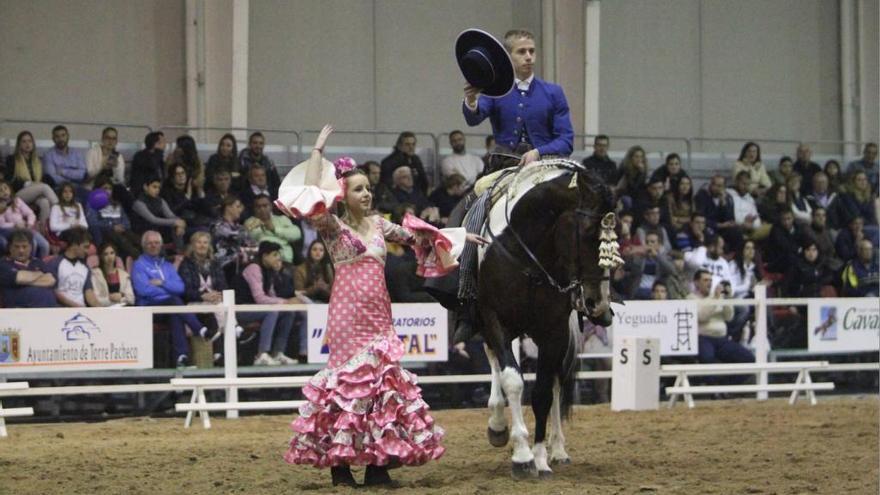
{"type": "Point", "coordinates": [735, 447]}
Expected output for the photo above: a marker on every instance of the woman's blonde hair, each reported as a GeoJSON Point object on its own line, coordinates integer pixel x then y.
{"type": "Point", "coordinates": [861, 196]}
{"type": "Point", "coordinates": [198, 235]}
{"type": "Point", "coordinates": [21, 162]}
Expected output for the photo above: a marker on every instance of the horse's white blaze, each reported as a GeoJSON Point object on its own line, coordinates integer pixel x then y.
{"type": "Point", "coordinates": [512, 383]}
{"type": "Point", "coordinates": [497, 421]}
{"type": "Point", "coordinates": [540, 453]}
{"type": "Point", "coordinates": [557, 439]}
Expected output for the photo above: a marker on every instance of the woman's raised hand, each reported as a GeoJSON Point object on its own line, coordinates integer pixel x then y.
{"type": "Point", "coordinates": [322, 137]}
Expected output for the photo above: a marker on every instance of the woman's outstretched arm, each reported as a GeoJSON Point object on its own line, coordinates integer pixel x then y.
{"type": "Point", "coordinates": [313, 170]}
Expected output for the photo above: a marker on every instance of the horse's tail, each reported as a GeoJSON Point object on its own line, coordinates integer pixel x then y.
{"type": "Point", "coordinates": [568, 371]}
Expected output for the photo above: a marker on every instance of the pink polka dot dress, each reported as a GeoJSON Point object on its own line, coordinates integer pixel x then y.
{"type": "Point", "coordinates": [363, 408]}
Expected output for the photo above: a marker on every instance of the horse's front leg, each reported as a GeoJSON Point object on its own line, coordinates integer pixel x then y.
{"type": "Point", "coordinates": [542, 399]}
{"type": "Point", "coordinates": [498, 432]}
{"type": "Point", "coordinates": [558, 455]}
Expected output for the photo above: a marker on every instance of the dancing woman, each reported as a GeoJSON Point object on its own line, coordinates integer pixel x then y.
{"type": "Point", "coordinates": [363, 408]}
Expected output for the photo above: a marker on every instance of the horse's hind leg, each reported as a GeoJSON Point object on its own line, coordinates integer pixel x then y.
{"type": "Point", "coordinates": [498, 432]}
{"type": "Point", "coordinates": [558, 455]}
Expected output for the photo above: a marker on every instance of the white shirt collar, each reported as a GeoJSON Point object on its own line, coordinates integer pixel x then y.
{"type": "Point", "coordinates": [524, 85]}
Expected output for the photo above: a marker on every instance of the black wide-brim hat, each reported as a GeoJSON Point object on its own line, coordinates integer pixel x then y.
{"type": "Point", "coordinates": [484, 62]}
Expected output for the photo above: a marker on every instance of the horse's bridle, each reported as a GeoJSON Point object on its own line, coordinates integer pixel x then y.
{"type": "Point", "coordinates": [575, 287]}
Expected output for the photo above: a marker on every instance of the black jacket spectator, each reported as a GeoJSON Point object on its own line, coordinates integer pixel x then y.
{"type": "Point", "coordinates": [192, 275]}
{"type": "Point", "coordinates": [399, 159]}
{"type": "Point", "coordinates": [145, 164]}
{"type": "Point", "coordinates": [604, 167]}
{"type": "Point", "coordinates": [783, 244]}
{"type": "Point", "coordinates": [805, 278]}
{"type": "Point", "coordinates": [712, 208]}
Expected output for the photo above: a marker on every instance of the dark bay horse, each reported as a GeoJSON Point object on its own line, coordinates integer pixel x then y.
{"type": "Point", "coordinates": [543, 264]}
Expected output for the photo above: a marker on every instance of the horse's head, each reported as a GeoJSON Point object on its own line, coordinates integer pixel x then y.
{"type": "Point", "coordinates": [582, 243]}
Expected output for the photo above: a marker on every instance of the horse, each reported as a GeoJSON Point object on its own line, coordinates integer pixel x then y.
{"type": "Point", "coordinates": [542, 268]}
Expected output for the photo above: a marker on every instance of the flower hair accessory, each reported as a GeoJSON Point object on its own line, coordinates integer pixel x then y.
{"type": "Point", "coordinates": [343, 165]}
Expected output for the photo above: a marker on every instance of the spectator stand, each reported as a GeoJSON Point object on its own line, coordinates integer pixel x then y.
{"type": "Point", "coordinates": [14, 411]}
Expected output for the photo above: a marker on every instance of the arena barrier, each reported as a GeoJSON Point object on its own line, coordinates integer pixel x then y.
{"type": "Point", "coordinates": [14, 411]}
{"type": "Point", "coordinates": [803, 382]}
{"type": "Point", "coordinates": [232, 404]}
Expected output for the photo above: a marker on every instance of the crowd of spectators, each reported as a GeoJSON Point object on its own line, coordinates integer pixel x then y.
{"type": "Point", "coordinates": [90, 230]}
{"type": "Point", "coordinates": [804, 229]}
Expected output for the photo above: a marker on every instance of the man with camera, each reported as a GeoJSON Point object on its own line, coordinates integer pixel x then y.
{"type": "Point", "coordinates": [714, 344]}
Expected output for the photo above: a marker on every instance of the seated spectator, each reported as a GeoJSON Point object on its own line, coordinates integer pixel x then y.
{"type": "Point", "coordinates": [156, 283]}
{"type": "Point", "coordinates": [74, 281]}
{"type": "Point", "coordinates": [867, 164]}
{"type": "Point", "coordinates": [628, 239]}
{"type": "Point", "coordinates": [383, 199]}
{"type": "Point", "coordinates": [151, 212]}
{"type": "Point", "coordinates": [677, 283]}
{"type": "Point", "coordinates": [67, 213]}
{"type": "Point", "coordinates": [204, 283]}
{"type": "Point", "coordinates": [679, 203]}
{"type": "Point", "coordinates": [447, 197]}
{"type": "Point", "coordinates": [774, 203]}
{"type": "Point", "coordinates": [835, 178]}
{"type": "Point", "coordinates": [212, 203]}
{"type": "Point", "coordinates": [651, 225]}
{"type": "Point", "coordinates": [102, 160]}
{"type": "Point", "coordinates": [691, 235]}
{"type": "Point", "coordinates": [179, 193]}
{"type": "Point", "coordinates": [66, 165]}
{"type": "Point", "coordinates": [858, 201]}
{"type": "Point", "coordinates": [15, 214]}
{"type": "Point", "coordinates": [460, 162]}
{"type": "Point", "coordinates": [750, 161]}
{"type": "Point", "coordinates": [406, 192]}
{"type": "Point", "coordinates": [806, 168]}
{"type": "Point", "coordinates": [24, 171]}
{"type": "Point", "coordinates": [821, 234]}
{"type": "Point", "coordinates": [714, 345]}
{"type": "Point", "coordinates": [257, 184]}
{"type": "Point", "coordinates": [253, 155]}
{"type": "Point", "coordinates": [264, 226]}
{"type": "Point", "coordinates": [744, 276]}
{"type": "Point", "coordinates": [649, 198]}
{"type": "Point", "coordinates": [632, 174]}
{"type": "Point", "coordinates": [744, 271]}
{"type": "Point", "coordinates": [807, 275]}
{"type": "Point", "coordinates": [710, 258]}
{"type": "Point", "coordinates": [404, 155]}
{"type": "Point", "coordinates": [821, 195]}
{"type": "Point", "coordinates": [313, 278]}
{"type": "Point", "coordinates": [783, 243]}
{"type": "Point", "coordinates": [659, 292]}
{"type": "Point", "coordinates": [716, 205]}
{"type": "Point", "coordinates": [148, 163]}
{"type": "Point", "coordinates": [404, 285]}
{"type": "Point", "coordinates": [110, 222]}
{"type": "Point", "coordinates": [599, 162]}
{"type": "Point", "coordinates": [647, 268]}
{"type": "Point", "coordinates": [262, 282]}
{"type": "Point", "coordinates": [745, 210]}
{"type": "Point", "coordinates": [186, 154]}
{"type": "Point", "coordinates": [26, 282]}
{"type": "Point", "coordinates": [799, 204]}
{"type": "Point", "coordinates": [861, 276]}
{"type": "Point", "coordinates": [670, 173]}
{"type": "Point", "coordinates": [848, 239]}
{"type": "Point", "coordinates": [111, 284]}
{"type": "Point", "coordinates": [783, 170]}
{"type": "Point", "coordinates": [231, 240]}
{"type": "Point", "coordinates": [226, 159]}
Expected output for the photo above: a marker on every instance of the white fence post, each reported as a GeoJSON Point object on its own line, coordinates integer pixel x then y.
{"type": "Point", "coordinates": [230, 350]}
{"type": "Point", "coordinates": [762, 344]}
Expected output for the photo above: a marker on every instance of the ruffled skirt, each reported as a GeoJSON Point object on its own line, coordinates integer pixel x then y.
{"type": "Point", "coordinates": [367, 411]}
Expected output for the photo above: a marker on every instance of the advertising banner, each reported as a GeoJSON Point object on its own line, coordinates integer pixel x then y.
{"type": "Point", "coordinates": [67, 339]}
{"type": "Point", "coordinates": [674, 322]}
{"type": "Point", "coordinates": [843, 324]}
{"type": "Point", "coordinates": [422, 327]}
